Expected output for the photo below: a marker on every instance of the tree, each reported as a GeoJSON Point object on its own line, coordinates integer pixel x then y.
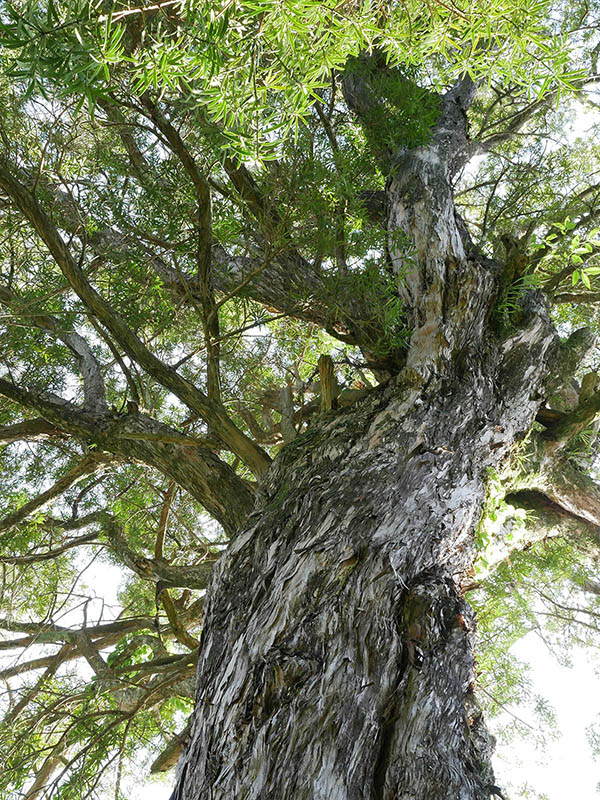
{"type": "Point", "coordinates": [253, 291]}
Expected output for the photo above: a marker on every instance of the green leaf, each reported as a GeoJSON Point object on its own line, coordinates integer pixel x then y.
{"type": "Point", "coordinates": [585, 280]}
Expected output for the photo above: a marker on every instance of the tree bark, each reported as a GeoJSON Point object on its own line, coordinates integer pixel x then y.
{"type": "Point", "coordinates": [337, 655]}
{"type": "Point", "coordinates": [336, 660]}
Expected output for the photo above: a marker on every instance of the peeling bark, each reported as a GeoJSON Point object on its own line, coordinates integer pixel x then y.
{"type": "Point", "coordinates": [337, 653]}
{"type": "Point", "coordinates": [336, 661]}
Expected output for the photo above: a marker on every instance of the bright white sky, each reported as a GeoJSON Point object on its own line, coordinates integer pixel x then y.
{"type": "Point", "coordinates": [151, 788]}
{"type": "Point", "coordinates": [565, 770]}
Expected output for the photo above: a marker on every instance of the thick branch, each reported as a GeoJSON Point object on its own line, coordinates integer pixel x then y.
{"type": "Point", "coordinates": [31, 430]}
{"type": "Point", "coordinates": [170, 755]}
{"type": "Point", "coordinates": [196, 400]}
{"type": "Point", "coordinates": [198, 179]}
{"type": "Point", "coordinates": [204, 279]}
{"type": "Point", "coordinates": [163, 664]}
{"type": "Point", "coordinates": [179, 681]}
{"type": "Point", "coordinates": [48, 555]}
{"type": "Point", "coordinates": [577, 297]}
{"type": "Point", "coordinates": [49, 633]}
{"type": "Point", "coordinates": [572, 424]}
{"type": "Point", "coordinates": [570, 489]}
{"type": "Point", "coordinates": [286, 280]}
{"type": "Point", "coordinates": [549, 520]}
{"type": "Point", "coordinates": [162, 523]}
{"type": "Point", "coordinates": [159, 571]}
{"type": "Point", "coordinates": [179, 630]}
{"type": "Point", "coordinates": [105, 641]}
{"type": "Point", "coordinates": [139, 164]}
{"type": "Point", "coordinates": [47, 770]}
{"type": "Point", "coordinates": [90, 652]}
{"type": "Point", "coordinates": [138, 437]}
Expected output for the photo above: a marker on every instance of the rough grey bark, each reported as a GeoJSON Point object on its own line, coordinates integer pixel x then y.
{"type": "Point", "coordinates": [337, 654]}
{"type": "Point", "coordinates": [337, 657]}
{"type": "Point", "coordinates": [337, 661]}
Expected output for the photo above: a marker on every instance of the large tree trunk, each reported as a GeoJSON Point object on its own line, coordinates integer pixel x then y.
{"type": "Point", "coordinates": [337, 655]}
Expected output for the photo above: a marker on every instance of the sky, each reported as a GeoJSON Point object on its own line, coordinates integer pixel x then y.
{"type": "Point", "coordinates": [565, 769]}
{"type": "Point", "coordinates": [152, 788]}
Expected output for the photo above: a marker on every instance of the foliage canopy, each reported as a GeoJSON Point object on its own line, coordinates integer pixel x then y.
{"type": "Point", "coordinates": [192, 212]}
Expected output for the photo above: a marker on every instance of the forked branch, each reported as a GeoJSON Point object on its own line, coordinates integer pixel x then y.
{"type": "Point", "coordinates": [213, 413]}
